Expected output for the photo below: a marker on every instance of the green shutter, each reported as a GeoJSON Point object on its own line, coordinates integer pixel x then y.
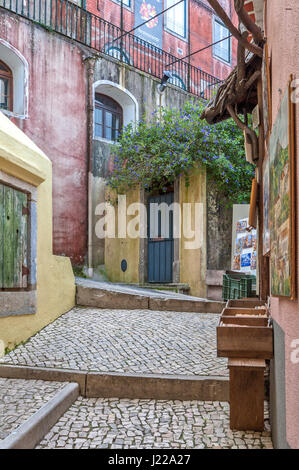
{"type": "Point", "coordinates": [13, 238]}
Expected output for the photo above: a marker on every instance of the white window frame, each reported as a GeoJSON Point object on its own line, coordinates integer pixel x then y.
{"type": "Point", "coordinates": [128, 7]}
{"type": "Point", "coordinates": [167, 28]}
{"type": "Point", "coordinates": [218, 21]}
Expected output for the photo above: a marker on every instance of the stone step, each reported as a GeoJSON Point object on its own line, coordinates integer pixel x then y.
{"type": "Point", "coordinates": [129, 385]}
{"type": "Point", "coordinates": [178, 288]}
{"type": "Point", "coordinates": [31, 431]}
{"type": "Point", "coordinates": [119, 296]}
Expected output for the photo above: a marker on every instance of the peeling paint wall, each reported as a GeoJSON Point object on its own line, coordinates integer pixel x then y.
{"type": "Point", "coordinates": [219, 230]}
{"type": "Point", "coordinates": [56, 123]}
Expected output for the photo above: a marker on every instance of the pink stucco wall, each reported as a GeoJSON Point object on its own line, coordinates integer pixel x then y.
{"type": "Point", "coordinates": [56, 123]}
{"type": "Point", "coordinates": [282, 20]}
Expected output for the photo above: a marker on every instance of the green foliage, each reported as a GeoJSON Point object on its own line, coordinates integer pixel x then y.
{"type": "Point", "coordinates": [174, 142]}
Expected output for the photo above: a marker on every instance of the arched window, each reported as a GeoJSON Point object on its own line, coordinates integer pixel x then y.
{"type": "Point", "coordinates": [6, 87]}
{"type": "Point", "coordinates": [108, 117]}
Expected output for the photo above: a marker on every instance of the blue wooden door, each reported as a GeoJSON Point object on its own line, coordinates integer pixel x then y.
{"type": "Point", "coordinates": [160, 238]}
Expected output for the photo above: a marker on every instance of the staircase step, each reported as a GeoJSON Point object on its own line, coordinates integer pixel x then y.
{"type": "Point", "coordinates": [129, 385]}
{"type": "Point", "coordinates": [117, 296]}
{"type": "Point", "coordinates": [178, 288]}
{"type": "Point", "coordinates": [31, 432]}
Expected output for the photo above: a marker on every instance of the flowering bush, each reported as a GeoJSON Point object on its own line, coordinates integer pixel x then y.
{"type": "Point", "coordinates": [155, 153]}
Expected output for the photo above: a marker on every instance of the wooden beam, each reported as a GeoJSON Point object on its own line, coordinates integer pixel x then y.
{"type": "Point", "coordinates": [250, 25]}
{"type": "Point", "coordinates": [234, 31]}
{"type": "Point", "coordinates": [241, 62]}
{"type": "Point", "coordinates": [263, 261]}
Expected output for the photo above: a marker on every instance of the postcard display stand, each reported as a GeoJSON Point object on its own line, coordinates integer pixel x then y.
{"type": "Point", "coordinates": [244, 258]}
{"type": "Point", "coordinates": [245, 336]}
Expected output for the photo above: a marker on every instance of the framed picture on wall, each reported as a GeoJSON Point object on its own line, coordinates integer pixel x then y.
{"type": "Point", "coordinates": [266, 207]}
{"type": "Point", "coordinates": [282, 200]}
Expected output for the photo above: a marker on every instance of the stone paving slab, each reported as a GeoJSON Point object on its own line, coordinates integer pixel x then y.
{"type": "Point", "coordinates": [140, 424]}
{"type": "Point", "coordinates": [20, 399]}
{"type": "Point", "coordinates": [129, 341]}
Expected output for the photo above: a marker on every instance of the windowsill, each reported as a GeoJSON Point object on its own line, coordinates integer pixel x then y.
{"type": "Point", "coordinates": [105, 141]}
{"type": "Point", "coordinates": [124, 6]}
{"type": "Point", "coordinates": [20, 303]}
{"type": "Point", "coordinates": [12, 114]}
{"type": "Point", "coordinates": [183, 38]}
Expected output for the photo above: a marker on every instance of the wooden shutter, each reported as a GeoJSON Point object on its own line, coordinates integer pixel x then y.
{"type": "Point", "coordinates": [13, 238]}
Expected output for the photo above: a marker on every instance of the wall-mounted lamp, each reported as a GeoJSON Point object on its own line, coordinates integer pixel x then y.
{"type": "Point", "coordinates": [166, 76]}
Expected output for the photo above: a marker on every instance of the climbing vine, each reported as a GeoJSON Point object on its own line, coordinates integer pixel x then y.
{"type": "Point", "coordinates": [172, 143]}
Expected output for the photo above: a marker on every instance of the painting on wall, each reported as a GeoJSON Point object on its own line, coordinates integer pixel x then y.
{"type": "Point", "coordinates": [281, 146]}
{"type": "Point", "coordinates": [253, 261]}
{"type": "Point", "coordinates": [246, 260]}
{"type": "Point", "coordinates": [266, 207]}
{"type": "Point", "coordinates": [237, 263]}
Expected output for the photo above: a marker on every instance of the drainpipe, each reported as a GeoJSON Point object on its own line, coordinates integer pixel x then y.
{"type": "Point", "coordinates": [90, 62]}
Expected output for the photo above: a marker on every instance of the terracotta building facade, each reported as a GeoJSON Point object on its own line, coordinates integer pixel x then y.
{"type": "Point", "coordinates": [62, 70]}
{"type": "Point", "coordinates": [188, 27]}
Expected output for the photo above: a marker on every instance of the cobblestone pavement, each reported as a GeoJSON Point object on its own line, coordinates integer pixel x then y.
{"type": "Point", "coordinates": [19, 399]}
{"type": "Point", "coordinates": [120, 424]}
{"type": "Point", "coordinates": [137, 341]}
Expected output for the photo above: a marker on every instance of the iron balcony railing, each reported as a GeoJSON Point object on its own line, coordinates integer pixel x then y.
{"type": "Point", "coordinates": [67, 18]}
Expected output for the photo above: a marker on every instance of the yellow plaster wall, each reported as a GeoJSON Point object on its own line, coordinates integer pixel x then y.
{"type": "Point", "coordinates": [117, 249]}
{"type": "Point", "coordinates": [21, 158]}
{"type": "Point", "coordinates": [193, 263]}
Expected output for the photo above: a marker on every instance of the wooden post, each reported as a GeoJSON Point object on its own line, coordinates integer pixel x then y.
{"type": "Point", "coordinates": [246, 394]}
{"type": "Point", "coordinates": [263, 261]}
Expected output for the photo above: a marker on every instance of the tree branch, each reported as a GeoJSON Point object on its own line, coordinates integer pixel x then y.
{"type": "Point", "coordinates": [252, 79]}
{"type": "Point", "coordinates": [252, 135]}
{"type": "Point", "coordinates": [250, 25]}
{"type": "Point", "coordinates": [234, 31]}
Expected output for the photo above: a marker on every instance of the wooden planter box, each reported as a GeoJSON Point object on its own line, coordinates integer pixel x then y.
{"type": "Point", "coordinates": [245, 303]}
{"type": "Point", "coordinates": [244, 313]}
{"type": "Point", "coordinates": [245, 333]}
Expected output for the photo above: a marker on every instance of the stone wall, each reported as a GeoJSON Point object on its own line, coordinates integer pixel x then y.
{"type": "Point", "coordinates": [219, 230]}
